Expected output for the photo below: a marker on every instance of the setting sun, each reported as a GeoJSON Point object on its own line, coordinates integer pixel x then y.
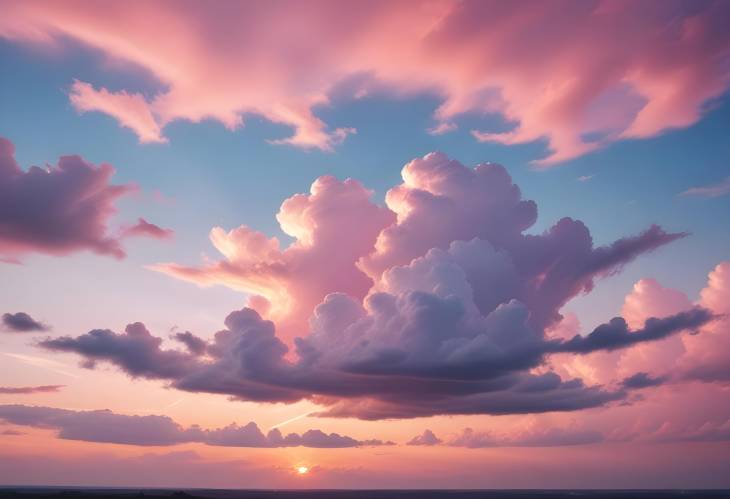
{"type": "Point", "coordinates": [302, 470]}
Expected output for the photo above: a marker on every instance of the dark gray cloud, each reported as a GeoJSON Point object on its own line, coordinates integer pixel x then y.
{"type": "Point", "coordinates": [135, 351]}
{"type": "Point", "coordinates": [643, 380]}
{"type": "Point", "coordinates": [108, 427]}
{"type": "Point", "coordinates": [194, 344]}
{"type": "Point", "coordinates": [616, 333]}
{"type": "Point", "coordinates": [20, 322]}
{"type": "Point", "coordinates": [26, 390]}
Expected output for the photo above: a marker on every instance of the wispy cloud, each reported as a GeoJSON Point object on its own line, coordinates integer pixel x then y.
{"type": "Point", "coordinates": [291, 420]}
{"type": "Point", "coordinates": [27, 390]}
{"type": "Point", "coordinates": [623, 87]}
{"type": "Point", "coordinates": [722, 188]}
{"type": "Point", "coordinates": [50, 365]}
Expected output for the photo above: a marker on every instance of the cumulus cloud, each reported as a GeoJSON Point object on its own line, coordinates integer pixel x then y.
{"type": "Point", "coordinates": [288, 283]}
{"type": "Point", "coordinates": [707, 357]}
{"type": "Point", "coordinates": [425, 438]}
{"type": "Point", "coordinates": [699, 357]}
{"type": "Point", "coordinates": [108, 427]}
{"type": "Point", "coordinates": [605, 70]}
{"type": "Point", "coordinates": [20, 322]}
{"type": "Point", "coordinates": [667, 359]}
{"type": "Point", "coordinates": [27, 390]}
{"type": "Point", "coordinates": [135, 350]}
{"type": "Point", "coordinates": [78, 203]}
{"type": "Point", "coordinates": [437, 303]}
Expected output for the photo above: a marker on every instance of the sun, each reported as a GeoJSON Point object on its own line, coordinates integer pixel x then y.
{"type": "Point", "coordinates": [302, 470]}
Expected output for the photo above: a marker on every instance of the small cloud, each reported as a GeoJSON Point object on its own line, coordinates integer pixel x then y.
{"type": "Point", "coordinates": [146, 229]}
{"type": "Point", "coordinates": [425, 438]}
{"type": "Point", "coordinates": [20, 322]}
{"type": "Point", "coordinates": [722, 188]}
{"type": "Point", "coordinates": [131, 109]}
{"type": "Point", "coordinates": [442, 128]}
{"type": "Point", "coordinates": [585, 178]}
{"type": "Point", "coordinates": [642, 380]}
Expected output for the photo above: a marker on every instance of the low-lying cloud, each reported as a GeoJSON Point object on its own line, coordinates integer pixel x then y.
{"type": "Point", "coordinates": [108, 427]}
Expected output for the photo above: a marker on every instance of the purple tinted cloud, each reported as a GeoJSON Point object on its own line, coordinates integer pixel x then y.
{"type": "Point", "coordinates": [108, 427]}
{"type": "Point", "coordinates": [453, 321]}
{"type": "Point", "coordinates": [194, 344]}
{"type": "Point", "coordinates": [616, 334]}
{"type": "Point", "coordinates": [60, 209]}
{"type": "Point", "coordinates": [643, 380]}
{"type": "Point", "coordinates": [21, 322]}
{"type": "Point", "coordinates": [425, 438]}
{"type": "Point", "coordinates": [144, 228]}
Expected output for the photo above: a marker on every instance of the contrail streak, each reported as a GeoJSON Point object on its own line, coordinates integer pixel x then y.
{"type": "Point", "coordinates": [295, 418]}
{"type": "Point", "coordinates": [50, 365]}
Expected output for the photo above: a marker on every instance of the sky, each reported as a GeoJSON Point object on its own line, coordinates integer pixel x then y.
{"type": "Point", "coordinates": [429, 244]}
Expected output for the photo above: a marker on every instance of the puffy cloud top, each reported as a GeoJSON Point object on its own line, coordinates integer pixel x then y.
{"type": "Point", "coordinates": [434, 304]}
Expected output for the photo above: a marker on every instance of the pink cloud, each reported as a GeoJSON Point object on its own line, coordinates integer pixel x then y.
{"type": "Point", "coordinates": [106, 426]}
{"type": "Point", "coordinates": [144, 228]}
{"type": "Point", "coordinates": [131, 110]}
{"type": "Point", "coordinates": [680, 359]}
{"type": "Point", "coordinates": [578, 75]}
{"type": "Point", "coordinates": [334, 225]}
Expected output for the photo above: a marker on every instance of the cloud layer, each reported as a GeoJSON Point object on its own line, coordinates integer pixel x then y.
{"type": "Point", "coordinates": [549, 437]}
{"type": "Point", "coordinates": [108, 427]}
{"type": "Point", "coordinates": [606, 70]}
{"type": "Point", "coordinates": [434, 304]}
{"type": "Point", "coordinates": [27, 390]}
{"type": "Point", "coordinates": [59, 209]}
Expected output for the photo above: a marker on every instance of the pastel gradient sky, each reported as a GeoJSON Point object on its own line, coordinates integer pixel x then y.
{"type": "Point", "coordinates": [429, 244]}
